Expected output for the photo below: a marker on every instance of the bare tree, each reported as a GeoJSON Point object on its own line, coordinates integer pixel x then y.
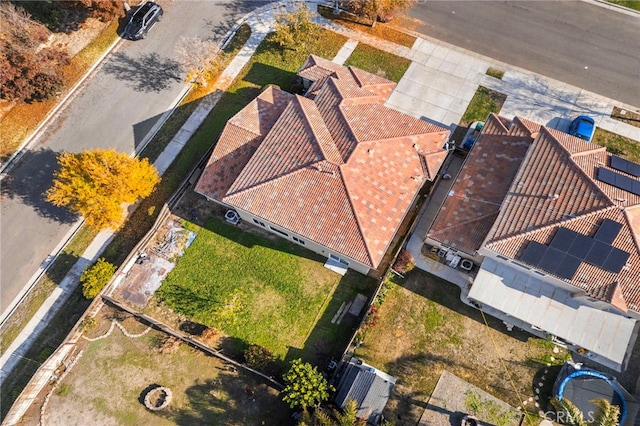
{"type": "Point", "coordinates": [200, 58]}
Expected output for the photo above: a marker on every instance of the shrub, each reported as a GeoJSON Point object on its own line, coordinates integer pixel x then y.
{"type": "Point", "coordinates": [257, 357]}
{"type": "Point", "coordinates": [96, 277]}
{"type": "Point", "coordinates": [404, 262]}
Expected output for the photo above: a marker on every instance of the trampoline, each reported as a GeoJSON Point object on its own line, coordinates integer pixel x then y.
{"type": "Point", "coordinates": [581, 386]}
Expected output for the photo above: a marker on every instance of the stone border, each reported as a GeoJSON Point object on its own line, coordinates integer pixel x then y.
{"type": "Point", "coordinates": [154, 391]}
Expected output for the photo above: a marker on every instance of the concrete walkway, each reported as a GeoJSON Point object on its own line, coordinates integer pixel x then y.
{"type": "Point", "coordinates": [437, 87]}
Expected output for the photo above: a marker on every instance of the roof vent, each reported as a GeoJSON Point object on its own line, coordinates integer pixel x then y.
{"type": "Point", "coordinates": [622, 200]}
{"type": "Point", "coordinates": [370, 151]}
{"type": "Point", "coordinates": [553, 196]}
{"type": "Point", "coordinates": [520, 184]}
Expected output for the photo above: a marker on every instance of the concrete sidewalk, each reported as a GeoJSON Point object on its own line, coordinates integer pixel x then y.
{"type": "Point", "coordinates": [437, 87]}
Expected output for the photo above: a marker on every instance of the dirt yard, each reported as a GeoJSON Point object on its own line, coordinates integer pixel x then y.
{"type": "Point", "coordinates": [108, 384]}
{"type": "Point", "coordinates": [423, 329]}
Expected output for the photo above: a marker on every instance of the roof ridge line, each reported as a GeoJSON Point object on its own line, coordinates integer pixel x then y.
{"type": "Point", "coordinates": [574, 165]}
{"type": "Point", "coordinates": [555, 224]}
{"type": "Point", "coordinates": [353, 210]}
{"type": "Point", "coordinates": [316, 136]}
{"type": "Point", "coordinates": [264, 182]}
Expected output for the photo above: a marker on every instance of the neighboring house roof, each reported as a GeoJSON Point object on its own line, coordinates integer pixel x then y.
{"type": "Point", "coordinates": [556, 189]}
{"type": "Point", "coordinates": [475, 198]}
{"type": "Point", "coordinates": [369, 387]}
{"type": "Point", "coordinates": [340, 169]}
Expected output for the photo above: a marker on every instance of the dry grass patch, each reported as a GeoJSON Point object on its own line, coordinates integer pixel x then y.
{"type": "Point", "coordinates": [22, 119]}
{"type": "Point", "coordinates": [381, 30]}
{"type": "Point", "coordinates": [424, 329]}
{"type": "Point", "coordinates": [204, 391]}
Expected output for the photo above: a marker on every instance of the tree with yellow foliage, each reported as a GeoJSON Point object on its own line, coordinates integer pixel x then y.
{"type": "Point", "coordinates": [97, 184]}
{"type": "Point", "coordinates": [377, 10]}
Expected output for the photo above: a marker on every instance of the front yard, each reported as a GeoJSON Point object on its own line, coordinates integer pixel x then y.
{"type": "Point", "coordinates": [423, 329]}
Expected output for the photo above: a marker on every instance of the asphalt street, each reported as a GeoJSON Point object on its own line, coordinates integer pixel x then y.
{"type": "Point", "coordinates": [116, 108]}
{"type": "Point", "coordinates": [576, 42]}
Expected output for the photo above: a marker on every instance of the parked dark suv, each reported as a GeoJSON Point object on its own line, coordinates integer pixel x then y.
{"type": "Point", "coordinates": [142, 20]}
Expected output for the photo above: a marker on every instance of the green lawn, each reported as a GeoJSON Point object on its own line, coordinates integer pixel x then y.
{"type": "Point", "coordinates": [484, 102]}
{"type": "Point", "coordinates": [617, 144]}
{"type": "Point", "coordinates": [378, 62]}
{"type": "Point", "coordinates": [631, 4]}
{"type": "Point", "coordinates": [262, 290]}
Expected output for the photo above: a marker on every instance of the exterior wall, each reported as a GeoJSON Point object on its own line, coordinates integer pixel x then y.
{"type": "Point", "coordinates": [300, 240]}
{"type": "Point", "coordinates": [477, 259]}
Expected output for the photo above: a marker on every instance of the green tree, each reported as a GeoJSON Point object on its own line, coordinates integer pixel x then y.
{"type": "Point", "coordinates": [348, 416]}
{"type": "Point", "coordinates": [96, 184]}
{"type": "Point", "coordinates": [304, 385]}
{"type": "Point", "coordinates": [94, 279]}
{"type": "Point", "coordinates": [290, 27]}
{"type": "Point", "coordinates": [568, 413]}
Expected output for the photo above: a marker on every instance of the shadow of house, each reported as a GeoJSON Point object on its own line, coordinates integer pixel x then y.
{"type": "Point", "coordinates": [555, 235]}
{"type": "Point", "coordinates": [369, 387]}
{"type": "Point", "coordinates": [334, 171]}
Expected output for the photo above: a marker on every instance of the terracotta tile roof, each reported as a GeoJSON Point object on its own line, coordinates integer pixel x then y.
{"type": "Point", "coordinates": [556, 187]}
{"type": "Point", "coordinates": [317, 170]}
{"type": "Point", "coordinates": [318, 70]}
{"type": "Point", "coordinates": [244, 132]}
{"type": "Point", "coordinates": [474, 201]}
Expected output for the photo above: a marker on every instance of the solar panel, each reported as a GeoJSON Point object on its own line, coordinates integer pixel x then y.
{"type": "Point", "coordinates": [616, 260]}
{"type": "Point", "coordinates": [563, 239]}
{"type": "Point", "coordinates": [533, 253]}
{"type": "Point", "coordinates": [625, 166]}
{"type": "Point", "coordinates": [551, 260]}
{"type": "Point", "coordinates": [581, 246]}
{"type": "Point", "coordinates": [608, 231]}
{"type": "Point", "coordinates": [568, 267]}
{"type": "Point", "coordinates": [620, 181]}
{"type": "Point", "coordinates": [598, 253]}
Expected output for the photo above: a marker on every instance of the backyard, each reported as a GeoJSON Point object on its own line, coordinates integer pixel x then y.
{"type": "Point", "coordinates": [423, 329]}
{"type": "Point", "coordinates": [257, 288]}
{"type": "Point", "coordinates": [109, 381]}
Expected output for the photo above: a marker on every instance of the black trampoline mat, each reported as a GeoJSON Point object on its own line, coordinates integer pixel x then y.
{"type": "Point", "coordinates": [582, 389]}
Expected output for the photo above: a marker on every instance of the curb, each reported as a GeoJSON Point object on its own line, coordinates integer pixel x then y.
{"type": "Point", "coordinates": [8, 165]}
{"type": "Point", "coordinates": [613, 6]}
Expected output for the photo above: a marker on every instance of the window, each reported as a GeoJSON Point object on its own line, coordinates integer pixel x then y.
{"type": "Point", "coordinates": [521, 265]}
{"type": "Point", "coordinates": [257, 222]}
{"type": "Point", "coordinates": [279, 231]}
{"type": "Point", "coordinates": [298, 240]}
{"type": "Point", "coordinates": [337, 259]}
{"type": "Point", "coordinates": [502, 257]}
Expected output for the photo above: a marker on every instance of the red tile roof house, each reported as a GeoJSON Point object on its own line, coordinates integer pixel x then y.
{"type": "Point", "coordinates": [335, 170]}
{"type": "Point", "coordinates": [555, 223]}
